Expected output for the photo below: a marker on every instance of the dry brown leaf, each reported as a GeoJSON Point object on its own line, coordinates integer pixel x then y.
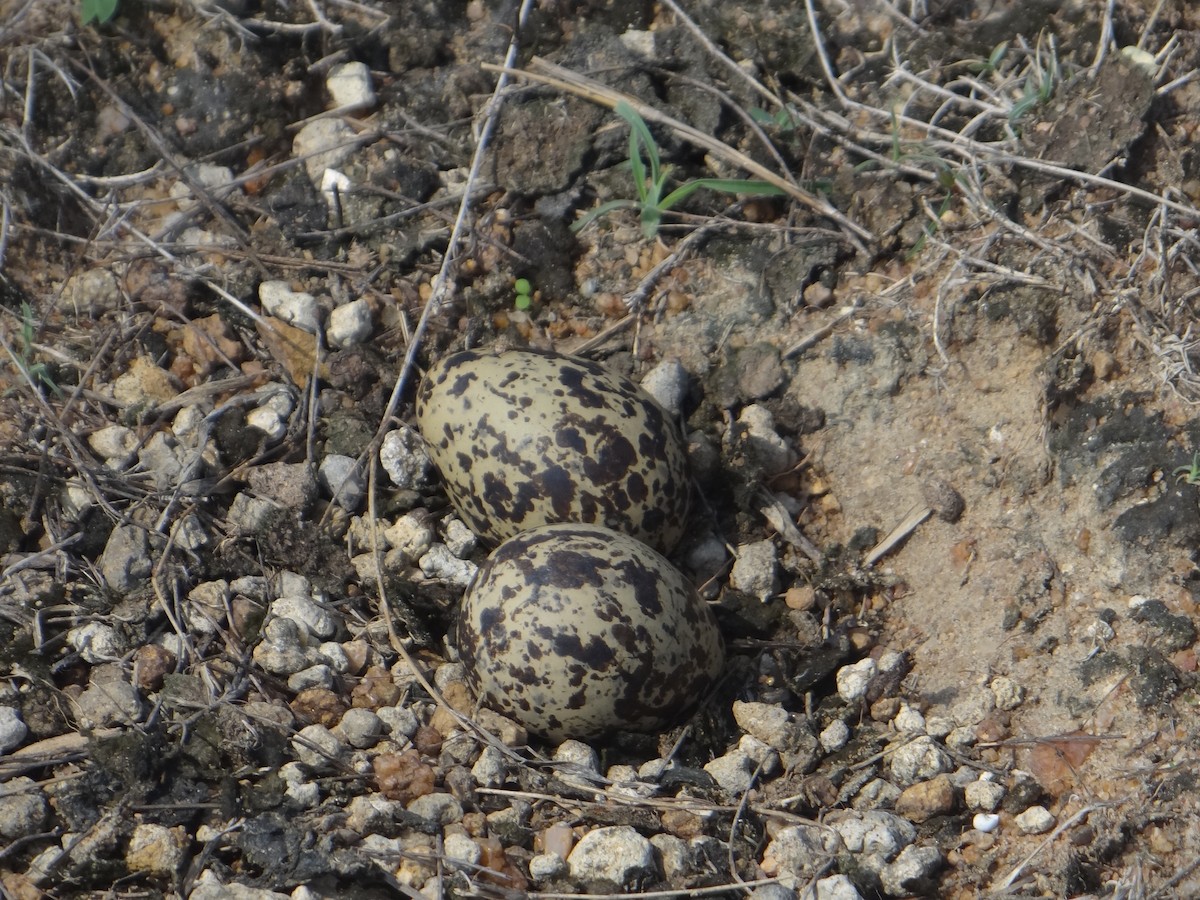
{"type": "Point", "coordinates": [292, 348]}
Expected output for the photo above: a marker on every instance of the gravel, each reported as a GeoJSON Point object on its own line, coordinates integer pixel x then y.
{"type": "Point", "coordinates": [615, 858]}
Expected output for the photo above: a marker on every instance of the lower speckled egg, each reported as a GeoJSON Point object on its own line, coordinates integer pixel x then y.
{"type": "Point", "coordinates": [526, 438]}
{"type": "Point", "coordinates": [576, 631]}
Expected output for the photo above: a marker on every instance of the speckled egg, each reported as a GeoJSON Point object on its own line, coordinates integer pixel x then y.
{"type": "Point", "coordinates": [576, 631]}
{"type": "Point", "coordinates": [526, 438]}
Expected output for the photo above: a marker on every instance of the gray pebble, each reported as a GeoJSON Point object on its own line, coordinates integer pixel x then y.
{"type": "Point", "coordinates": [983, 796]}
{"type": "Point", "coordinates": [734, 772]}
{"type": "Point", "coordinates": [12, 729]}
{"type": "Point", "coordinates": [411, 536]}
{"type": "Point", "coordinates": [404, 457]}
{"type": "Point", "coordinates": [578, 755]}
{"type": "Point", "coordinates": [460, 540]}
{"type": "Point", "coordinates": [335, 656]}
{"type": "Point", "coordinates": [461, 849]}
{"type": "Point", "coordinates": [837, 887]}
{"type": "Point", "coordinates": [877, 794]}
{"type": "Point", "coordinates": [613, 858]}
{"type": "Point", "coordinates": [491, 769]}
{"type": "Point", "coordinates": [342, 479]}
{"type": "Point", "coordinates": [305, 612]}
{"type": "Point", "coordinates": [96, 643]}
{"type": "Point", "coordinates": [317, 746]}
{"type": "Point", "coordinates": [1009, 695]}
{"type": "Point", "coordinates": [919, 760]}
{"type": "Point", "coordinates": [281, 651]}
{"type": "Point", "coordinates": [873, 833]}
{"type": "Point", "coordinates": [770, 451]}
{"type": "Point", "coordinates": [667, 383]}
{"type": "Point", "coordinates": [674, 855]}
{"type": "Point", "coordinates": [208, 887]}
{"type": "Point", "coordinates": [547, 867]}
{"type": "Point", "coordinates": [911, 872]}
{"type": "Point", "coordinates": [361, 728]}
{"type": "Point", "coordinates": [773, 892]}
{"type": "Point", "coordinates": [400, 721]}
{"type": "Point", "coordinates": [440, 564]}
{"type": "Point", "coordinates": [755, 570]}
{"type": "Point", "coordinates": [439, 808]}
{"type": "Point", "coordinates": [164, 459]}
{"type": "Point", "coordinates": [835, 736]}
{"type": "Point", "coordinates": [349, 85]}
{"type": "Point", "coordinates": [320, 676]}
{"type": "Point", "coordinates": [249, 514]}
{"type": "Point", "coordinates": [943, 499]}
{"type": "Point", "coordinates": [798, 851]}
{"type": "Point", "coordinates": [109, 703]}
{"type": "Point", "coordinates": [125, 562]}
{"type": "Point", "coordinates": [291, 485]}
{"type": "Point", "coordinates": [23, 808]}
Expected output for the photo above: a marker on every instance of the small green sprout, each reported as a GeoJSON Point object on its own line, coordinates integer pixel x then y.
{"type": "Point", "coordinates": [650, 180]}
{"type": "Point", "coordinates": [98, 11]}
{"type": "Point", "coordinates": [524, 297]}
{"type": "Point", "coordinates": [1189, 474]}
{"type": "Point", "coordinates": [35, 373]}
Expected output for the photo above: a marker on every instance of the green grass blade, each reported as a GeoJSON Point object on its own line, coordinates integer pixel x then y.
{"type": "Point", "coordinates": [724, 185]}
{"type": "Point", "coordinates": [591, 215]}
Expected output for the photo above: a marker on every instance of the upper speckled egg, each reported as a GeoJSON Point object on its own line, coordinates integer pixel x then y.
{"type": "Point", "coordinates": [527, 438]}
{"type": "Point", "coordinates": [576, 631]}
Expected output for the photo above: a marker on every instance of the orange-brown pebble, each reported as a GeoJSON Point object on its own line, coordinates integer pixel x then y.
{"type": "Point", "coordinates": [558, 839]}
{"type": "Point", "coordinates": [682, 824]}
{"type": "Point", "coordinates": [151, 663]}
{"type": "Point", "coordinates": [318, 706]}
{"type": "Point", "coordinates": [428, 740]}
{"type": "Point", "coordinates": [377, 689]}
{"type": "Point", "coordinates": [357, 654]}
{"type": "Point", "coordinates": [474, 824]}
{"type": "Point", "coordinates": [403, 776]}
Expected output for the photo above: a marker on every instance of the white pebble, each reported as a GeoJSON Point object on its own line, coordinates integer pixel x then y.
{"type": "Point", "coordinates": [319, 676]}
{"type": "Point", "coordinates": [668, 384]}
{"type": "Point", "coordinates": [734, 772]}
{"type": "Point", "coordinates": [853, 680]}
{"type": "Point", "coordinates": [909, 720]}
{"type": "Point", "coordinates": [546, 866]}
{"type": "Point", "coordinates": [1007, 692]}
{"type": "Point", "coordinates": [982, 795]}
{"type": "Point", "coordinates": [579, 756]}
{"type": "Point", "coordinates": [835, 736]}
{"type": "Point", "coordinates": [919, 760]}
{"type": "Point", "coordinates": [614, 857]}
{"type": "Point", "coordinates": [297, 308]}
{"type": "Point", "coordinates": [1035, 820]}
{"type": "Point", "coordinates": [324, 144]}
{"type": "Point", "coordinates": [461, 849]}
{"type": "Point", "coordinates": [96, 642]}
{"type": "Point", "coordinates": [754, 571]}
{"type": "Point", "coordinates": [309, 615]}
{"type": "Point", "coordinates": [442, 565]}
{"type": "Point", "coordinates": [985, 822]}
{"type": "Point", "coordinates": [405, 459]}
{"type": "Point", "coordinates": [349, 324]}
{"type": "Point", "coordinates": [317, 746]}
{"type": "Point", "coordinates": [459, 538]}
{"type": "Point", "coordinates": [350, 86]}
{"type": "Point", "coordinates": [113, 443]}
{"type": "Point", "coordinates": [268, 421]}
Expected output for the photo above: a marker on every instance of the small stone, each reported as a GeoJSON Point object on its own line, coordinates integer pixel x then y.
{"type": "Point", "coordinates": [250, 515]}
{"type": "Point", "coordinates": [797, 852]}
{"type": "Point", "coordinates": [317, 746]}
{"type": "Point", "coordinates": [912, 871]}
{"type": "Point", "coordinates": [925, 799]}
{"type": "Point", "coordinates": [297, 308]}
{"type": "Point", "coordinates": [754, 571]}
{"type": "Point", "coordinates": [770, 452]}
{"type": "Point", "coordinates": [268, 421]}
{"type": "Point", "coordinates": [1008, 694]}
{"type": "Point", "coordinates": [764, 756]}
{"type": "Point", "coordinates": [342, 479]}
{"type": "Point", "coordinates": [318, 676]}
{"type": "Point", "coordinates": [768, 722]}
{"type": "Point", "coordinates": [836, 887]}
{"type": "Point", "coordinates": [371, 814]}
{"type": "Point", "coordinates": [151, 664]}
{"type": "Point", "coordinates": [400, 721]}
{"type": "Point", "coordinates": [349, 84]}
{"type": "Point", "coordinates": [361, 728]}
{"type": "Point", "coordinates": [125, 563]}
{"type": "Point", "coordinates": [775, 891]}
{"type": "Point", "coordinates": [835, 736]}
{"type": "Point", "coordinates": [411, 536]}
{"type": "Point", "coordinates": [403, 776]}
{"type": "Point", "coordinates": [877, 794]}
{"type": "Point", "coordinates": [919, 760]}
{"type": "Point", "coordinates": [615, 858]}
{"type": "Point", "coordinates": [324, 144]}
{"type": "Point", "coordinates": [734, 772]}
{"type": "Point", "coordinates": [113, 702]}
{"type": "Point", "coordinates": [144, 385]}
{"type": "Point", "coordinates": [335, 656]}
{"type": "Point", "coordinates": [673, 853]}
{"type": "Point", "coordinates": [983, 796]}
{"type": "Point", "coordinates": [759, 371]}
{"type": "Point", "coordinates": [491, 769]}
{"type": "Point", "coordinates": [291, 485]}
{"type": "Point", "coordinates": [1034, 820]}
{"type": "Point", "coordinates": [350, 324]}
{"type": "Point", "coordinates": [156, 849]}
{"type": "Point", "coordinates": [96, 643]}
{"type": "Point", "coordinates": [459, 538]}
{"type": "Point", "coordinates": [23, 806]}
{"type": "Point", "coordinates": [215, 181]}
{"type": "Point", "coordinates": [309, 615]}
{"type": "Point", "coordinates": [853, 680]}
{"type": "Point", "coordinates": [872, 832]}
{"type": "Point", "coordinates": [943, 499]}
{"type": "Point", "coordinates": [985, 822]}
{"type": "Point", "coordinates": [667, 383]}
{"type": "Point", "coordinates": [909, 720]}
{"type": "Point", "coordinates": [209, 887]}
{"type": "Point", "coordinates": [439, 808]}
{"type": "Point", "coordinates": [462, 850]}
{"type": "Point", "coordinates": [113, 443]}
{"type": "Point", "coordinates": [440, 564]}
{"type": "Point", "coordinates": [547, 867]}
{"type": "Point", "coordinates": [281, 651]}
{"type": "Point", "coordinates": [578, 756]}
{"type": "Point", "coordinates": [94, 290]}
{"type": "Point", "coordinates": [405, 459]}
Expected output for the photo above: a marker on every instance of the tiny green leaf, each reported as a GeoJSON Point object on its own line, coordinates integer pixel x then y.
{"type": "Point", "coordinates": [97, 10]}
{"type": "Point", "coordinates": [522, 286]}
{"type": "Point", "coordinates": [523, 301]}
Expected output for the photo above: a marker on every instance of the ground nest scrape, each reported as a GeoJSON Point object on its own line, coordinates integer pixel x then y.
{"type": "Point", "coordinates": [935, 368]}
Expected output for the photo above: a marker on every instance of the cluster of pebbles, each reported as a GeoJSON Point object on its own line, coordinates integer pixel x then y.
{"type": "Point", "coordinates": [454, 792]}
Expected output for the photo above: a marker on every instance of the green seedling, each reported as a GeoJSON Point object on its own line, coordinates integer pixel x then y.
{"type": "Point", "coordinates": [650, 181]}
{"type": "Point", "coordinates": [1189, 474]}
{"type": "Point", "coordinates": [98, 11]}
{"type": "Point", "coordinates": [35, 373]}
{"type": "Point", "coordinates": [989, 66]}
{"type": "Point", "coordinates": [1040, 83]}
{"type": "Point", "coordinates": [524, 294]}
{"type": "Point", "coordinates": [783, 119]}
